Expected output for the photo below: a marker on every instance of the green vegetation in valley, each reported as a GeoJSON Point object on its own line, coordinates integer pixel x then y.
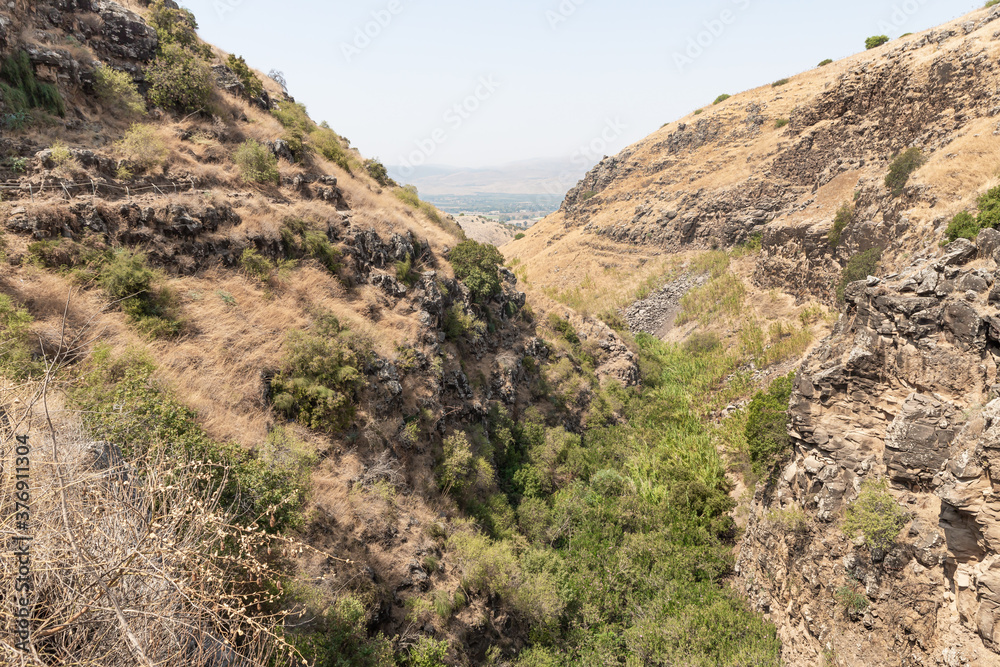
{"type": "Point", "coordinates": [610, 545]}
{"type": "Point", "coordinates": [766, 426]}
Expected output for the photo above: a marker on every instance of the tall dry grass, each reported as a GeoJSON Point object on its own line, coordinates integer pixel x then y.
{"type": "Point", "coordinates": [131, 562]}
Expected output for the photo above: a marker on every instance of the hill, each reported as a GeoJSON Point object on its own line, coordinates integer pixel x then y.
{"type": "Point", "coordinates": [866, 186]}
{"type": "Point", "coordinates": [269, 408]}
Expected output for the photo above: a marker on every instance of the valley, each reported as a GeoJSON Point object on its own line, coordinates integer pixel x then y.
{"type": "Point", "coordinates": [731, 400]}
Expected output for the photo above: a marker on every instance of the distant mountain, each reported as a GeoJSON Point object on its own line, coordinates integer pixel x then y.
{"type": "Point", "coordinates": [538, 176]}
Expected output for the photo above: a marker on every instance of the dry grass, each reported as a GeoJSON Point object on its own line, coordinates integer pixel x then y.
{"type": "Point", "coordinates": [126, 568]}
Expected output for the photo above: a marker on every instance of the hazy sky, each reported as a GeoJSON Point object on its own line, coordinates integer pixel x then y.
{"type": "Point", "coordinates": [476, 83]}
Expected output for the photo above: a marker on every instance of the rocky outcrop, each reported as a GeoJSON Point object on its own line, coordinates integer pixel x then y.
{"type": "Point", "coordinates": [905, 390]}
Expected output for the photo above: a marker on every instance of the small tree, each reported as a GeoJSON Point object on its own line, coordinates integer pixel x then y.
{"type": "Point", "coordinates": [902, 168]}
{"type": "Point", "coordinates": [478, 266]}
{"type": "Point", "coordinates": [179, 80]}
{"type": "Point", "coordinates": [876, 41]}
{"type": "Point", "coordinates": [378, 171]}
{"type": "Point", "coordinates": [876, 515]}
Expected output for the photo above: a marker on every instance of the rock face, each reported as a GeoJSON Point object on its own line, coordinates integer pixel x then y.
{"type": "Point", "coordinates": [904, 390]}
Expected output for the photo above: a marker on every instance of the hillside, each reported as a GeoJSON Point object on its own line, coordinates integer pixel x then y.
{"type": "Point", "coordinates": [867, 186]}
{"type": "Point", "coordinates": [268, 408]}
{"type": "Point", "coordinates": [484, 230]}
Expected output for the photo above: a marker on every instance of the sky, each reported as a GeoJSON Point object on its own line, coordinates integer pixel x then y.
{"type": "Point", "coordinates": [478, 83]}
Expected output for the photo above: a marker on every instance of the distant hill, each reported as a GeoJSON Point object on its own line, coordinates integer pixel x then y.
{"type": "Point", "coordinates": [539, 176]}
{"type": "Point", "coordinates": [484, 230]}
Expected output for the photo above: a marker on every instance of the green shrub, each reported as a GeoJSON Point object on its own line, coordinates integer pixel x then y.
{"type": "Point", "coordinates": [175, 27]}
{"type": "Point", "coordinates": [477, 265]}
{"type": "Point", "coordinates": [844, 217]}
{"type": "Point", "coordinates": [876, 41]}
{"type": "Point", "coordinates": [848, 598]}
{"type": "Point", "coordinates": [378, 172]}
{"type": "Point", "coordinates": [21, 91]}
{"type": "Point", "coordinates": [428, 652]}
{"type": "Point", "coordinates": [179, 80]}
{"type": "Point", "coordinates": [405, 273]}
{"type": "Point", "coordinates": [341, 637]}
{"type": "Point", "coordinates": [991, 3]}
{"type": "Point", "coordinates": [989, 209]}
{"type": "Point", "coordinates": [142, 147]}
{"type": "Point", "coordinates": [721, 98]}
{"type": "Point", "coordinates": [963, 226]}
{"type": "Point", "coordinates": [294, 118]}
{"type": "Point", "coordinates": [766, 428]}
{"type": "Point", "coordinates": [253, 87]}
{"type": "Point", "coordinates": [117, 89]}
{"type": "Point", "coordinates": [330, 146]}
{"type": "Point", "coordinates": [876, 515]}
{"type": "Point", "coordinates": [459, 324]}
{"type": "Point", "coordinates": [824, 63]}
{"type": "Point", "coordinates": [257, 164]}
{"type": "Point", "coordinates": [859, 267]}
{"type": "Point", "coordinates": [319, 377]}
{"type": "Point", "coordinates": [255, 265]}
{"type": "Point", "coordinates": [779, 82]}
{"type": "Point", "coordinates": [301, 241]}
{"type": "Point", "coordinates": [902, 168]}
{"type": "Point", "coordinates": [780, 123]}
{"type": "Point", "coordinates": [519, 236]}
{"type": "Point", "coordinates": [127, 279]}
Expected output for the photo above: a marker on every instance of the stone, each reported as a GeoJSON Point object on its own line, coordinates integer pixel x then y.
{"type": "Point", "coordinates": [917, 441]}
{"type": "Point", "coordinates": [988, 242]}
{"type": "Point", "coordinates": [125, 33]}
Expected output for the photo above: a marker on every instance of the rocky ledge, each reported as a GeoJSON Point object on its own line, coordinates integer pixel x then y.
{"type": "Point", "coordinates": [904, 390]}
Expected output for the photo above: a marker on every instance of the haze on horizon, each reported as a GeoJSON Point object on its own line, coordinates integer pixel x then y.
{"type": "Point", "coordinates": [482, 85]}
